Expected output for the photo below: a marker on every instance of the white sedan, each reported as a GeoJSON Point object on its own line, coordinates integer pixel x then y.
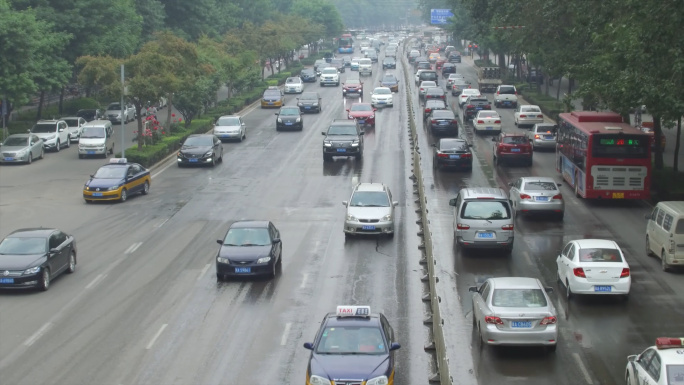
{"type": "Point", "coordinates": [465, 94]}
{"type": "Point", "coordinates": [593, 266]}
{"type": "Point", "coordinates": [528, 115]}
{"type": "Point", "coordinates": [487, 121]}
{"type": "Point", "coordinates": [661, 364]}
{"type": "Point", "coordinates": [382, 96]}
{"type": "Point", "coordinates": [452, 79]}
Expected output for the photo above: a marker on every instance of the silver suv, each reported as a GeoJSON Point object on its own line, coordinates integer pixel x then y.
{"type": "Point", "coordinates": [370, 210]}
{"type": "Point", "coordinates": [483, 219]}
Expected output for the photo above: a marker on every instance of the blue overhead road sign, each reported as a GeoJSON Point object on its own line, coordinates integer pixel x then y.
{"type": "Point", "coordinates": [440, 16]}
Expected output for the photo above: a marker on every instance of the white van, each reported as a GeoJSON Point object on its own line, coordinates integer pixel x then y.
{"type": "Point", "coordinates": [97, 138]}
{"type": "Point", "coordinates": [665, 233]}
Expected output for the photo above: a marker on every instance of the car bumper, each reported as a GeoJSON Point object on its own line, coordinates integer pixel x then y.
{"type": "Point", "coordinates": [326, 82]}
{"type": "Point", "coordinates": [113, 195]}
{"type": "Point", "coordinates": [389, 66]}
{"type": "Point", "coordinates": [366, 121]}
{"type": "Point", "coordinates": [529, 122]}
{"type": "Point", "coordinates": [92, 150]}
{"type": "Point", "coordinates": [549, 206]}
{"type": "Point", "coordinates": [309, 80]}
{"type": "Point", "coordinates": [583, 286]}
{"type": "Point", "coordinates": [455, 163]}
{"type": "Point", "coordinates": [74, 137]}
{"type": "Point", "coordinates": [352, 92]}
{"type": "Point", "coordinates": [541, 143]}
{"type": "Point", "coordinates": [514, 157]}
{"type": "Point", "coordinates": [485, 128]}
{"type": "Point", "coordinates": [294, 126]}
{"type": "Point", "coordinates": [376, 103]}
{"type": "Point", "coordinates": [21, 282]}
{"type": "Point", "coordinates": [228, 135]}
{"type": "Point", "coordinates": [50, 144]}
{"type": "Point", "coordinates": [494, 336]}
{"type": "Point", "coordinates": [365, 71]}
{"type": "Point", "coordinates": [506, 103]}
{"type": "Point", "coordinates": [294, 90]}
{"type": "Point", "coordinates": [194, 161]}
{"type": "Point", "coordinates": [356, 227]}
{"type": "Point", "coordinates": [271, 104]}
{"type": "Point", "coordinates": [12, 159]}
{"type": "Point", "coordinates": [485, 244]}
{"type": "Point", "coordinates": [348, 151]}
{"type": "Point", "coordinates": [228, 269]}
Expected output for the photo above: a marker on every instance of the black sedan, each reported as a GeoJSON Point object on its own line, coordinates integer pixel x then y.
{"type": "Point", "coordinates": [309, 102]}
{"type": "Point", "coordinates": [443, 122]}
{"type": "Point", "coordinates": [448, 68]}
{"type": "Point", "coordinates": [432, 105]}
{"type": "Point", "coordinates": [200, 149]}
{"type": "Point", "coordinates": [31, 258]}
{"type": "Point", "coordinates": [435, 93]}
{"type": "Point", "coordinates": [475, 104]}
{"type": "Point", "coordinates": [249, 248]}
{"type": "Point", "coordinates": [289, 118]}
{"type": "Point", "coordinates": [452, 152]}
{"type": "Point", "coordinates": [389, 62]}
{"type": "Point", "coordinates": [308, 75]}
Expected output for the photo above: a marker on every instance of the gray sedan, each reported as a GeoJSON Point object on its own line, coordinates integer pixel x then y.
{"type": "Point", "coordinates": [22, 148]}
{"type": "Point", "coordinates": [543, 135]}
{"type": "Point", "coordinates": [514, 311]}
{"type": "Point", "coordinates": [535, 194]}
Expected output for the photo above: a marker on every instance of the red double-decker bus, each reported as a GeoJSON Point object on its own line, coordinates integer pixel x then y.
{"type": "Point", "coordinates": [602, 157]}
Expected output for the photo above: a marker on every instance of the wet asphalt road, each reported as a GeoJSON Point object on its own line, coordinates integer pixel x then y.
{"type": "Point", "coordinates": [144, 306]}
{"type": "Point", "coordinates": [596, 334]}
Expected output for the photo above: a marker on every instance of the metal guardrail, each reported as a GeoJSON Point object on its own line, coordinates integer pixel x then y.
{"type": "Point", "coordinates": [437, 343]}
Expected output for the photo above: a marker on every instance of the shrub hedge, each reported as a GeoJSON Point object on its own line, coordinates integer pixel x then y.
{"type": "Point", "coordinates": [667, 184]}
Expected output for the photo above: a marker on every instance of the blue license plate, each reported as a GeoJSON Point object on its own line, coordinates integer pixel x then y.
{"type": "Point", "coordinates": [507, 102]}
{"type": "Point", "coordinates": [542, 199]}
{"type": "Point", "coordinates": [515, 150]}
{"type": "Point", "coordinates": [521, 324]}
{"type": "Point", "coordinates": [90, 152]}
{"type": "Point", "coordinates": [362, 121]}
{"type": "Point", "coordinates": [478, 108]}
{"type": "Point", "coordinates": [602, 288]}
{"type": "Point", "coordinates": [6, 280]}
{"type": "Point", "coordinates": [485, 235]}
{"type": "Point", "coordinates": [548, 136]}
{"type": "Point", "coordinates": [308, 108]}
{"type": "Point", "coordinates": [368, 227]}
{"type": "Point", "coordinates": [243, 269]}
{"type": "Point", "coordinates": [270, 104]}
{"type": "Point", "coordinates": [454, 157]}
{"type": "Point", "coordinates": [489, 128]}
{"type": "Point", "coordinates": [9, 159]}
{"type": "Point", "coordinates": [382, 102]}
{"type": "Point", "coordinates": [225, 136]}
{"type": "Point", "coordinates": [443, 123]}
{"type": "Point", "coordinates": [97, 194]}
{"type": "Point", "coordinates": [192, 160]}
{"type": "Point", "coordinates": [288, 124]}
{"type": "Point", "coordinates": [341, 150]}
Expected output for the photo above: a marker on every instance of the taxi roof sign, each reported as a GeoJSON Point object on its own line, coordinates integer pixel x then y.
{"type": "Point", "coordinates": [118, 160]}
{"type": "Point", "coordinates": [353, 311]}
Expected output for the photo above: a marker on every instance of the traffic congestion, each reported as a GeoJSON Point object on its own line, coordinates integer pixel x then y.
{"type": "Point", "coordinates": [559, 272]}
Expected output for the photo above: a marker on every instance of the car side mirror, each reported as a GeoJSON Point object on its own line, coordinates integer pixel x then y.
{"type": "Point", "coordinates": [470, 145]}
{"type": "Point", "coordinates": [323, 133]}
{"type": "Point", "coordinates": [180, 143]}
{"type": "Point", "coordinates": [362, 133]}
{"type": "Point", "coordinates": [452, 202]}
{"type": "Point", "coordinates": [549, 289]}
{"type": "Point", "coordinates": [276, 240]}
{"type": "Point", "coordinates": [647, 216]}
{"type": "Point", "coordinates": [510, 184]}
{"type": "Point", "coordinates": [277, 113]}
{"type": "Point", "coordinates": [395, 346]}
{"type": "Point", "coordinates": [472, 289]}
{"type": "Point", "coordinates": [395, 203]}
{"type": "Point", "coordinates": [493, 139]}
{"type": "Point", "coordinates": [219, 241]}
{"type": "Point", "coordinates": [92, 175]}
{"type": "Point", "coordinates": [308, 345]}
{"type": "Point", "coordinates": [433, 145]}
{"type": "Point", "coordinates": [243, 124]}
{"type": "Point", "coordinates": [632, 358]}
{"type": "Point", "coordinates": [29, 130]}
{"type": "Point", "coordinates": [344, 203]}
{"type": "Point", "coordinates": [54, 251]}
{"type": "Point", "coordinates": [347, 110]}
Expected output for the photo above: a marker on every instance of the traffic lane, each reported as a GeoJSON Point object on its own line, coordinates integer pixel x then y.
{"type": "Point", "coordinates": [164, 266]}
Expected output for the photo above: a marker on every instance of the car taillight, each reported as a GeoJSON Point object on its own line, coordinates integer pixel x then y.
{"type": "Point", "coordinates": [523, 116]}
{"type": "Point", "coordinates": [497, 122]}
{"type": "Point", "coordinates": [470, 106]}
{"type": "Point", "coordinates": [442, 155]}
{"type": "Point", "coordinates": [498, 93]}
{"type": "Point", "coordinates": [525, 196]}
{"type": "Point", "coordinates": [540, 116]}
{"type": "Point", "coordinates": [443, 96]}
{"type": "Point", "coordinates": [454, 121]}
{"type": "Point", "coordinates": [558, 197]}
{"type": "Point", "coordinates": [461, 226]}
{"type": "Point", "coordinates": [480, 122]}
{"type": "Point", "coordinates": [536, 136]}
{"type": "Point", "coordinates": [548, 321]}
{"type": "Point", "coordinates": [625, 273]}
{"type": "Point", "coordinates": [507, 227]}
{"type": "Point", "coordinates": [493, 320]}
{"type": "Point", "coordinates": [466, 156]}
{"type": "Point", "coordinates": [428, 110]}
{"type": "Point", "coordinates": [579, 272]}
{"type": "Point", "coordinates": [422, 89]}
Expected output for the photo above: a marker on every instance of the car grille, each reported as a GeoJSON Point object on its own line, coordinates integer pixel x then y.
{"type": "Point", "coordinates": [369, 220]}
{"type": "Point", "coordinates": [11, 273]}
{"type": "Point", "coordinates": [341, 144]}
{"type": "Point", "coordinates": [9, 154]}
{"type": "Point", "coordinates": [354, 382]}
{"type": "Point", "coordinates": [239, 262]}
{"type": "Point", "coordinates": [192, 156]}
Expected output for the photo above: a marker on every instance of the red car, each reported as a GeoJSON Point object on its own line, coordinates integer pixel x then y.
{"type": "Point", "coordinates": [440, 62]}
{"type": "Point", "coordinates": [512, 147]}
{"type": "Point", "coordinates": [352, 87]}
{"type": "Point", "coordinates": [364, 113]}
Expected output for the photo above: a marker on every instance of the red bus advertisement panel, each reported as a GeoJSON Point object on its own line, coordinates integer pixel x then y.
{"type": "Point", "coordinates": [603, 158]}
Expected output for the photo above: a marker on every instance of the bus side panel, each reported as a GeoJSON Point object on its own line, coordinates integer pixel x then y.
{"type": "Point", "coordinates": [572, 175]}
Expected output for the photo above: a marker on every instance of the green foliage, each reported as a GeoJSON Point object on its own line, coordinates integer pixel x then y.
{"type": "Point", "coordinates": [373, 13]}
{"type": "Point", "coordinates": [71, 107]}
{"type": "Point", "coordinates": [549, 105]}
{"type": "Point", "coordinates": [667, 184]}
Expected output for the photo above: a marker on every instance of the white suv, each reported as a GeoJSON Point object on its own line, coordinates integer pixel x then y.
{"type": "Point", "coordinates": [370, 210]}
{"type": "Point", "coordinates": [55, 134]}
{"type": "Point", "coordinates": [366, 67]}
{"type": "Point", "coordinates": [382, 96]}
{"type": "Point", "coordinates": [330, 75]}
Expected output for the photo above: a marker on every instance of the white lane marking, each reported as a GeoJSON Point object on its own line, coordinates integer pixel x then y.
{"type": "Point", "coordinates": [583, 369]}
{"type": "Point", "coordinates": [162, 170]}
{"type": "Point", "coordinates": [259, 133]}
{"type": "Point", "coordinates": [162, 224]}
{"type": "Point", "coordinates": [204, 270]}
{"type": "Point", "coordinates": [161, 329]}
{"type": "Point", "coordinates": [38, 334]}
{"type": "Point", "coordinates": [355, 180]}
{"type": "Point", "coordinates": [96, 281]}
{"type": "Point", "coordinates": [286, 332]}
{"type": "Point", "coordinates": [527, 257]}
{"type": "Point", "coordinates": [133, 247]}
{"type": "Point", "coordinates": [304, 280]}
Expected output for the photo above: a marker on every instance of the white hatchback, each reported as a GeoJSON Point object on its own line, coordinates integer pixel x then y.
{"type": "Point", "coordinates": [593, 266]}
{"type": "Point", "coordinates": [465, 94]}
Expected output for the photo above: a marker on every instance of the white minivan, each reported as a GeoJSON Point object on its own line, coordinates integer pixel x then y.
{"type": "Point", "coordinates": [96, 139]}
{"type": "Point", "coordinates": [665, 233]}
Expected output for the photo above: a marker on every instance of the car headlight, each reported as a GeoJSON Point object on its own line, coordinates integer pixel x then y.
{"type": "Point", "coordinates": [351, 117]}
{"type": "Point", "coordinates": [318, 380]}
{"type": "Point", "coordinates": [351, 217]}
{"type": "Point", "coordinates": [21, 153]}
{"type": "Point", "coordinates": [280, 120]}
{"type": "Point", "coordinates": [210, 153]}
{"type": "Point", "coordinates": [344, 90]}
{"type": "Point", "coordinates": [371, 117]}
{"type": "Point", "coordinates": [222, 260]}
{"type": "Point", "coordinates": [382, 380]}
{"type": "Point", "coordinates": [387, 217]}
{"type": "Point", "coordinates": [315, 104]}
{"type": "Point", "coordinates": [32, 270]}
{"type": "Point", "coordinates": [300, 104]}
{"type": "Point", "coordinates": [327, 144]}
{"type": "Point", "coordinates": [263, 260]}
{"type": "Point", "coordinates": [355, 144]}
{"type": "Point", "coordinates": [298, 120]}
{"type": "Point", "coordinates": [114, 188]}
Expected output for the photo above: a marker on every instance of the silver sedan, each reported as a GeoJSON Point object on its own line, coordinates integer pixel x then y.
{"type": "Point", "coordinates": [22, 148]}
{"type": "Point", "coordinates": [533, 194]}
{"type": "Point", "coordinates": [514, 311]}
{"type": "Point", "coordinates": [543, 135]}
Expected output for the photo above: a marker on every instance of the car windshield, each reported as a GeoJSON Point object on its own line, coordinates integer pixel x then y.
{"type": "Point", "coordinates": [16, 141]}
{"type": "Point", "coordinates": [361, 107]}
{"type": "Point", "coordinates": [530, 109]}
{"type": "Point", "coordinates": [452, 144]}
{"type": "Point", "coordinates": [679, 229]}
{"type": "Point", "coordinates": [473, 100]}
{"type": "Point", "coordinates": [23, 246]}
{"type": "Point", "coordinates": [92, 132]}
{"type": "Point", "coordinates": [110, 173]}
{"type": "Point", "coordinates": [195, 141]}
{"type": "Point", "coordinates": [247, 236]}
{"type": "Point", "coordinates": [540, 186]}
{"type": "Point", "coordinates": [337, 61]}
{"type": "Point", "coordinates": [342, 130]}
{"type": "Point", "coordinates": [351, 340]}
{"type": "Point", "coordinates": [515, 140]}
{"type": "Point", "coordinates": [488, 114]}
{"type": "Point", "coordinates": [272, 94]}
{"type": "Point", "coordinates": [435, 91]}
{"type": "Point", "coordinates": [389, 60]}
{"type": "Point", "coordinates": [308, 96]}
{"type": "Point", "coordinates": [289, 112]}
{"type": "Point", "coordinates": [330, 71]}
{"type": "Point", "coordinates": [382, 91]}
{"type": "Point", "coordinates": [486, 210]}
{"type": "Point", "coordinates": [71, 122]}
{"type": "Point", "coordinates": [546, 129]}
{"type": "Point", "coordinates": [293, 80]}
{"type": "Point", "coordinates": [365, 61]}
{"type": "Point", "coordinates": [228, 121]}
{"type": "Point", "coordinates": [600, 255]}
{"type": "Point", "coordinates": [389, 79]}
{"type": "Point", "coordinates": [519, 298]}
{"type": "Point", "coordinates": [44, 128]}
{"type": "Point", "coordinates": [370, 199]}
{"type": "Point", "coordinates": [508, 90]}
{"type": "Point", "coordinates": [435, 104]}
{"type": "Point", "coordinates": [307, 72]}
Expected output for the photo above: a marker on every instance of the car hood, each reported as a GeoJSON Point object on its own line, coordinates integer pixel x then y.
{"type": "Point", "coordinates": [369, 212]}
{"type": "Point", "coordinates": [351, 86]}
{"type": "Point", "coordinates": [339, 367]}
{"type": "Point", "coordinates": [13, 148]}
{"type": "Point", "coordinates": [289, 118]}
{"type": "Point", "coordinates": [389, 84]}
{"type": "Point", "coordinates": [91, 141]}
{"type": "Point", "coordinates": [244, 253]}
{"type": "Point", "coordinates": [198, 150]}
{"type": "Point", "coordinates": [44, 135]}
{"type": "Point", "coordinates": [103, 182]}
{"type": "Point", "coordinates": [19, 262]}
{"type": "Point", "coordinates": [361, 114]}
{"type": "Point", "coordinates": [227, 128]}
{"type": "Point", "coordinates": [342, 138]}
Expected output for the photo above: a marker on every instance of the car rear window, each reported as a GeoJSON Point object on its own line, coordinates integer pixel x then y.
{"type": "Point", "coordinates": [545, 129]}
{"type": "Point", "coordinates": [443, 114]}
{"type": "Point", "coordinates": [508, 90]}
{"type": "Point", "coordinates": [515, 140]}
{"type": "Point", "coordinates": [600, 255]}
{"type": "Point", "coordinates": [540, 186]}
{"type": "Point", "coordinates": [435, 90]}
{"type": "Point", "coordinates": [428, 75]}
{"type": "Point", "coordinates": [272, 94]}
{"type": "Point", "coordinates": [488, 114]}
{"type": "Point", "coordinates": [453, 144]}
{"type": "Point", "coordinates": [530, 109]}
{"type": "Point", "coordinates": [486, 210]}
{"type": "Point", "coordinates": [519, 298]}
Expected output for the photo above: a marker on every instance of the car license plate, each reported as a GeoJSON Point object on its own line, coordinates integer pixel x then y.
{"type": "Point", "coordinates": [97, 194]}
{"type": "Point", "coordinates": [341, 150]}
{"type": "Point", "coordinates": [6, 280]}
{"type": "Point", "coordinates": [618, 195]}
{"type": "Point", "coordinates": [382, 102]}
{"type": "Point", "coordinates": [507, 102]}
{"type": "Point", "coordinates": [443, 123]}
{"type": "Point", "coordinates": [515, 150]}
{"type": "Point", "coordinates": [485, 235]}
{"type": "Point", "coordinates": [192, 160]}
{"type": "Point", "coordinates": [489, 128]}
{"type": "Point", "coordinates": [368, 227]}
{"type": "Point", "coordinates": [521, 324]}
{"type": "Point", "coordinates": [308, 108]}
{"type": "Point", "coordinates": [9, 159]}
{"type": "Point", "coordinates": [270, 104]}
{"type": "Point", "coordinates": [225, 136]}
{"type": "Point", "coordinates": [243, 269]}
{"type": "Point", "coordinates": [90, 152]}
{"type": "Point", "coordinates": [478, 108]}
{"type": "Point", "coordinates": [288, 124]}
{"type": "Point", "coordinates": [548, 136]}
{"type": "Point", "coordinates": [454, 157]}
{"type": "Point", "coordinates": [602, 288]}
{"type": "Point", "coordinates": [362, 121]}
{"type": "Point", "coordinates": [542, 199]}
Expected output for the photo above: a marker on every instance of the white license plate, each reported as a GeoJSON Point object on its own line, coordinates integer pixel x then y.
{"type": "Point", "coordinates": [542, 199]}
{"type": "Point", "coordinates": [602, 288]}
{"type": "Point", "coordinates": [521, 324]}
{"type": "Point", "coordinates": [485, 235]}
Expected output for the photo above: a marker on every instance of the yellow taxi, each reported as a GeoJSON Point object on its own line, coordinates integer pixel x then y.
{"type": "Point", "coordinates": [116, 181]}
{"type": "Point", "coordinates": [273, 97]}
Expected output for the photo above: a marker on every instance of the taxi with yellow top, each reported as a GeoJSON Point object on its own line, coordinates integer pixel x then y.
{"type": "Point", "coordinates": [116, 181]}
{"type": "Point", "coordinates": [273, 97]}
{"type": "Point", "coordinates": [352, 347]}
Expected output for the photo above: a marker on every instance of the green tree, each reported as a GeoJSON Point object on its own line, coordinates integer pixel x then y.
{"type": "Point", "coordinates": [321, 12]}
{"type": "Point", "coordinates": [153, 17]}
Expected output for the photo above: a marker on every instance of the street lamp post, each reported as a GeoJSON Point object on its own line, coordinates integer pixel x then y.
{"type": "Point", "coordinates": [123, 90]}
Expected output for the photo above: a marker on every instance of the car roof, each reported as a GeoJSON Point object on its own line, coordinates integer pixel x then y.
{"type": "Point", "coordinates": [596, 243]}
{"type": "Point", "coordinates": [435, 101]}
{"type": "Point", "coordinates": [382, 88]}
{"type": "Point", "coordinates": [529, 179]}
{"type": "Point", "coordinates": [343, 122]}
{"type": "Point", "coordinates": [32, 232]}
{"type": "Point", "coordinates": [471, 91]}
{"type": "Point", "coordinates": [530, 106]}
{"type": "Point", "coordinates": [97, 123]}
{"type": "Point", "coordinates": [676, 206]}
{"type": "Point", "coordinates": [489, 192]}
{"type": "Point", "coordinates": [370, 187]}
{"type": "Point", "coordinates": [19, 136]}
{"type": "Point", "coordinates": [360, 104]}
{"type": "Point", "coordinates": [249, 223]}
{"type": "Point", "coordinates": [443, 112]}
{"type": "Point", "coordinates": [512, 134]}
{"type": "Point", "coordinates": [426, 82]}
{"type": "Point", "coordinates": [70, 117]}
{"type": "Point", "coordinates": [229, 116]}
{"type": "Point", "coordinates": [55, 121]}
{"type": "Point", "coordinates": [200, 135]}
{"type": "Point", "coordinates": [352, 80]}
{"type": "Point", "coordinates": [452, 140]}
{"type": "Point", "coordinates": [515, 283]}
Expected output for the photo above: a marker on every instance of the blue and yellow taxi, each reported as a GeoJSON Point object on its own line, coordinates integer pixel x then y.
{"type": "Point", "coordinates": [272, 97]}
{"type": "Point", "coordinates": [352, 347]}
{"type": "Point", "coordinates": [116, 181]}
